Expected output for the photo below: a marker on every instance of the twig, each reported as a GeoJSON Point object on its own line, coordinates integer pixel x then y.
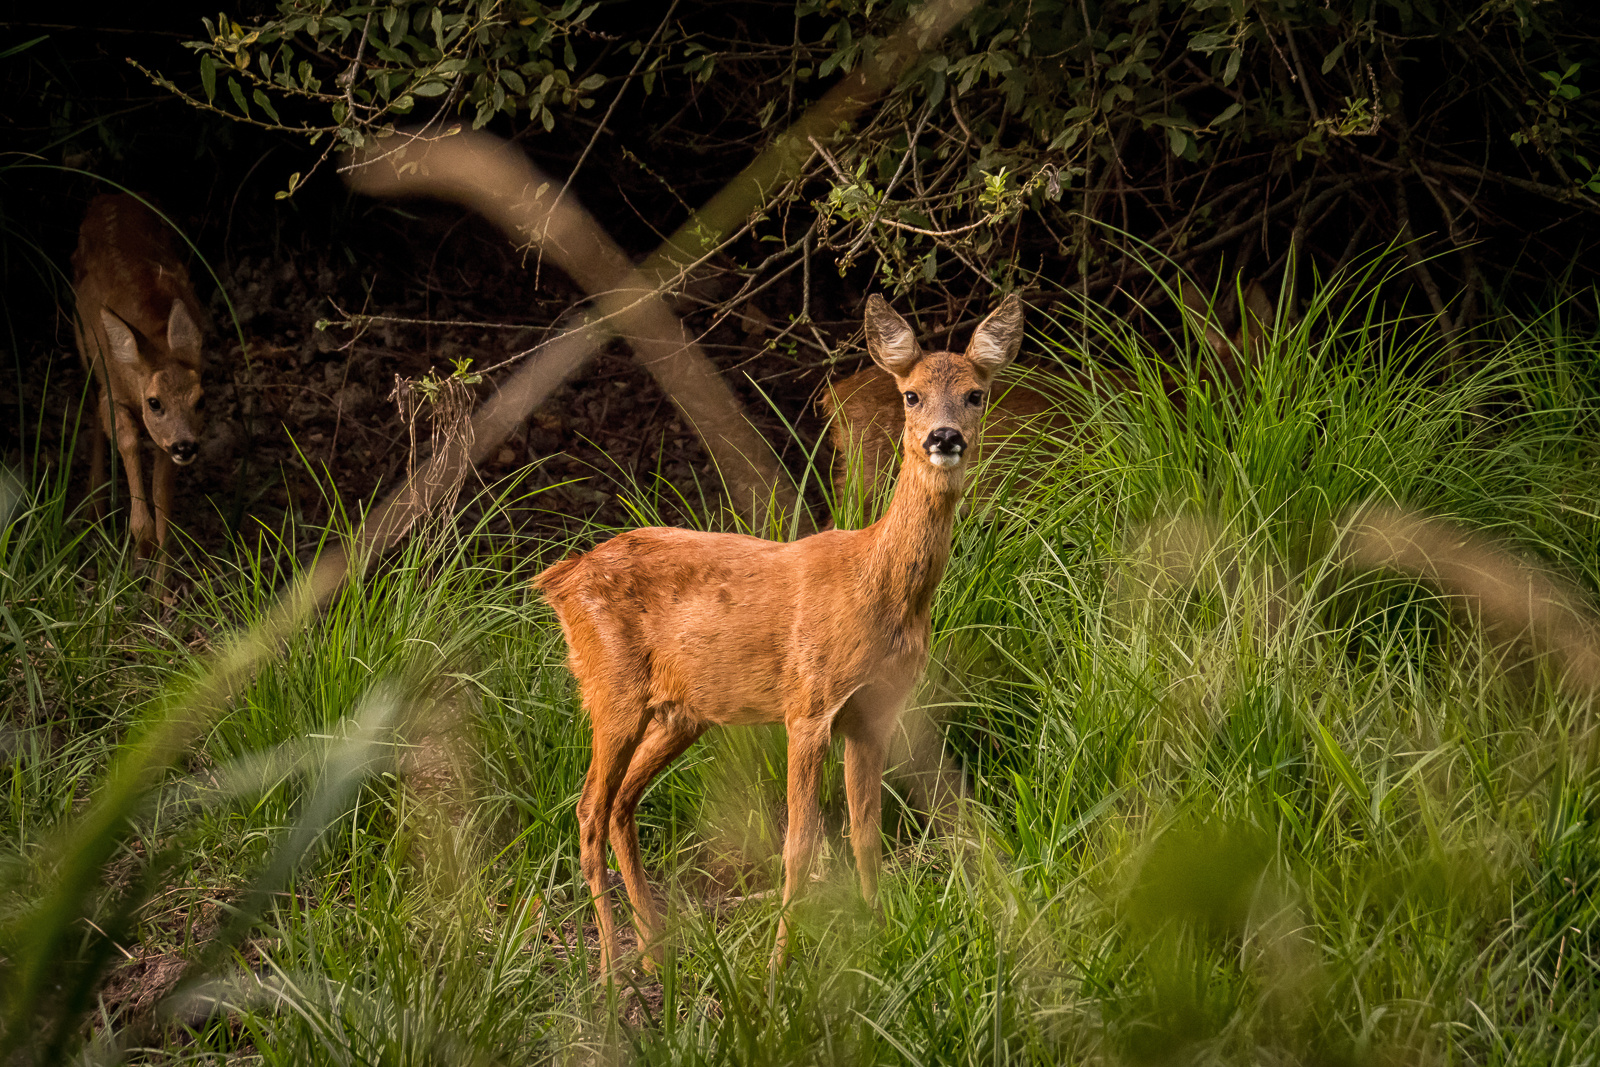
{"type": "Point", "coordinates": [888, 190]}
{"type": "Point", "coordinates": [1305, 84]}
{"type": "Point", "coordinates": [1554, 192]}
{"type": "Point", "coordinates": [935, 233]}
{"type": "Point", "coordinates": [1419, 268]}
{"type": "Point", "coordinates": [615, 100]}
{"type": "Point", "coordinates": [1463, 246]}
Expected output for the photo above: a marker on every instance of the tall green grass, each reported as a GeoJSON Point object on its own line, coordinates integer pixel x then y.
{"type": "Point", "coordinates": [1231, 799]}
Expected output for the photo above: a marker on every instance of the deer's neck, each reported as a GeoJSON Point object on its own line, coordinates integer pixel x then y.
{"type": "Point", "coordinates": [911, 543]}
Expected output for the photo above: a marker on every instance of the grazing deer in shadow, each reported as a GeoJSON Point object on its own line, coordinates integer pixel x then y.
{"type": "Point", "coordinates": [671, 631]}
{"type": "Point", "coordinates": [865, 416]}
{"type": "Point", "coordinates": [138, 334]}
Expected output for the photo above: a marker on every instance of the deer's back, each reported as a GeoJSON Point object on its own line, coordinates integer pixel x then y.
{"type": "Point", "coordinates": [729, 627]}
{"type": "Point", "coordinates": [126, 261]}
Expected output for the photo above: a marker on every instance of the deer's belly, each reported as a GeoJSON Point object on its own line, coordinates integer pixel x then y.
{"type": "Point", "coordinates": [754, 675]}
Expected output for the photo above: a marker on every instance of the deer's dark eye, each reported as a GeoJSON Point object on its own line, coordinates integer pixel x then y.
{"type": "Point", "coordinates": [975, 398]}
{"type": "Point", "coordinates": [155, 405]}
{"type": "Point", "coordinates": [912, 399]}
{"type": "Point", "coordinates": [200, 404]}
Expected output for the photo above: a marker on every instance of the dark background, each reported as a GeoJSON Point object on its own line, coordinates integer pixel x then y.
{"type": "Point", "coordinates": [297, 412]}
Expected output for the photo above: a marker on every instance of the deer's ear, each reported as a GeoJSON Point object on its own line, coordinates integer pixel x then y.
{"type": "Point", "coordinates": [890, 340]}
{"type": "Point", "coordinates": [182, 333]}
{"type": "Point", "coordinates": [124, 348]}
{"type": "Point", "coordinates": [997, 338]}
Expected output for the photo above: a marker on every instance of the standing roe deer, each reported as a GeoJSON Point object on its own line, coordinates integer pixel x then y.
{"type": "Point", "coordinates": [138, 334]}
{"type": "Point", "coordinates": [865, 415]}
{"type": "Point", "coordinates": [672, 631]}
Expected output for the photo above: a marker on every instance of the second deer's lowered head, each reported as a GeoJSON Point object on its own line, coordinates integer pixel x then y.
{"type": "Point", "coordinates": [166, 369]}
{"type": "Point", "coordinates": [944, 393]}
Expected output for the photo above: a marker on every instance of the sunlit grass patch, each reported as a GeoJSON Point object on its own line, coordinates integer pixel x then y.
{"type": "Point", "coordinates": [1217, 786]}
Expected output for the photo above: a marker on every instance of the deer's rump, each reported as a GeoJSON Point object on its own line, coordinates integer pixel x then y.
{"type": "Point", "coordinates": [126, 261]}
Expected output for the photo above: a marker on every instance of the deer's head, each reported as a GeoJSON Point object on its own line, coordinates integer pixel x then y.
{"type": "Point", "coordinates": [944, 393]}
{"type": "Point", "coordinates": [166, 371]}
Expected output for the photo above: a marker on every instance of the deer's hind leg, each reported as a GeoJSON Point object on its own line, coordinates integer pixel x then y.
{"type": "Point", "coordinates": [668, 736]}
{"type": "Point", "coordinates": [618, 726]}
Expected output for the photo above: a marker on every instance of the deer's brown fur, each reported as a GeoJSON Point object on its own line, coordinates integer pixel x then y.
{"type": "Point", "coordinates": [138, 334]}
{"type": "Point", "coordinates": [672, 631]}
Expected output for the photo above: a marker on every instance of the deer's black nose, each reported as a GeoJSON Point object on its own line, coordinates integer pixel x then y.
{"type": "Point", "coordinates": [185, 451]}
{"type": "Point", "coordinates": [945, 441]}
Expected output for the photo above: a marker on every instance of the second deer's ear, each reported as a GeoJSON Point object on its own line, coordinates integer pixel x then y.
{"type": "Point", "coordinates": [182, 332]}
{"type": "Point", "coordinates": [124, 348]}
{"type": "Point", "coordinates": [890, 340]}
{"type": "Point", "coordinates": [997, 338]}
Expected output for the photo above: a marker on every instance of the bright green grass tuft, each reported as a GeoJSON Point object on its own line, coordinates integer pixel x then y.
{"type": "Point", "coordinates": [1231, 800]}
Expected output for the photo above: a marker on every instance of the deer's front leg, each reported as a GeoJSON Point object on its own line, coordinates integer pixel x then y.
{"type": "Point", "coordinates": [808, 750]}
{"type": "Point", "coordinates": [97, 457]}
{"type": "Point", "coordinates": [161, 475]}
{"type": "Point", "coordinates": [140, 524]}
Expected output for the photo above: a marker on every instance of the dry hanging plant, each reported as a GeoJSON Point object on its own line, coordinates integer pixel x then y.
{"type": "Point", "coordinates": [448, 403]}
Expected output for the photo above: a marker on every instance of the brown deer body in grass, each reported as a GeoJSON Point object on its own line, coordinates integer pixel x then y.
{"type": "Point", "coordinates": [673, 631]}
{"type": "Point", "coordinates": [866, 418]}
{"type": "Point", "coordinates": [138, 334]}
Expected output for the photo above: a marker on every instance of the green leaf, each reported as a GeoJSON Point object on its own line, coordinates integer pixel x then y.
{"type": "Point", "coordinates": [547, 119]}
{"type": "Point", "coordinates": [1176, 140]}
{"type": "Point", "coordinates": [266, 105]}
{"type": "Point", "coordinates": [1227, 113]}
{"type": "Point", "coordinates": [1332, 57]}
{"type": "Point", "coordinates": [429, 88]}
{"type": "Point", "coordinates": [208, 77]}
{"type": "Point", "coordinates": [23, 47]}
{"type": "Point", "coordinates": [513, 80]}
{"type": "Point", "coordinates": [238, 96]}
{"type": "Point", "coordinates": [1231, 71]}
{"type": "Point", "coordinates": [1343, 769]}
